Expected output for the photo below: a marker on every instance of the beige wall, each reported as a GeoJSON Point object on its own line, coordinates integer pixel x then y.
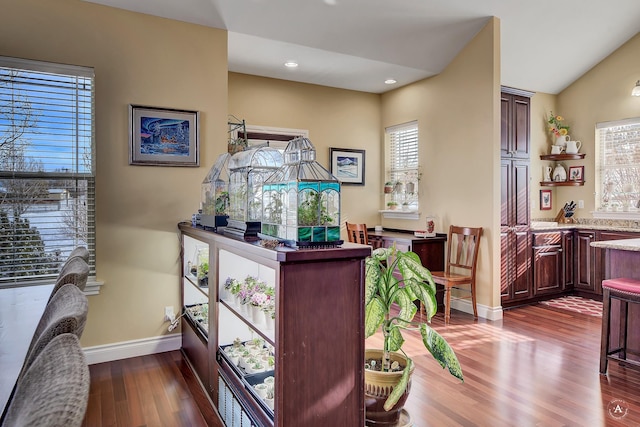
{"type": "Point", "coordinates": [601, 94]}
{"type": "Point", "coordinates": [138, 59]}
{"type": "Point", "coordinates": [458, 116]}
{"type": "Point", "coordinates": [334, 118]}
{"type": "Point", "coordinates": [541, 105]}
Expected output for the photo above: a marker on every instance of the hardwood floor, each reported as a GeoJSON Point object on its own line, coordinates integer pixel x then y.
{"type": "Point", "coordinates": [155, 390]}
{"type": "Point", "coordinates": [537, 367]}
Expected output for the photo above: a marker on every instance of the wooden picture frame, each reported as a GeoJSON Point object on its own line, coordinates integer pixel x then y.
{"type": "Point", "coordinates": [576, 173]}
{"type": "Point", "coordinates": [163, 136]}
{"type": "Point", "coordinates": [545, 200]}
{"type": "Point", "coordinates": [347, 165]}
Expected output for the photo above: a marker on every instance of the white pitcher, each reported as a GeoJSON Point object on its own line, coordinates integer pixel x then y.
{"type": "Point", "coordinates": [573, 147]}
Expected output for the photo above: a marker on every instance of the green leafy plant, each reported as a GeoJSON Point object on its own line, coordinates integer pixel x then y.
{"type": "Point", "coordinates": [382, 290]}
{"type": "Point", "coordinates": [312, 211]}
{"type": "Point", "coordinates": [222, 203]}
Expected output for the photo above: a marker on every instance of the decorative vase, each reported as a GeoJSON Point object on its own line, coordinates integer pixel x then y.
{"type": "Point", "coordinates": [562, 140]}
{"type": "Point", "coordinates": [377, 387]}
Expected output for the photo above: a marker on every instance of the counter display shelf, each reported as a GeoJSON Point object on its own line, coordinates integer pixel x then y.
{"type": "Point", "coordinates": [315, 297]}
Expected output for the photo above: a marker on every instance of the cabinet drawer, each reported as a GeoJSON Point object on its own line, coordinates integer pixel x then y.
{"type": "Point", "coordinates": [547, 239]}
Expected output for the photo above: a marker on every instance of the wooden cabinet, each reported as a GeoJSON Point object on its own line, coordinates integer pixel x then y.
{"type": "Point", "coordinates": [568, 259]}
{"type": "Point", "coordinates": [515, 245]}
{"type": "Point", "coordinates": [547, 263]}
{"type": "Point", "coordinates": [515, 125]}
{"type": "Point", "coordinates": [515, 277]}
{"type": "Point", "coordinates": [319, 321]}
{"type": "Point", "coordinates": [590, 262]}
{"type": "Point", "coordinates": [585, 261]}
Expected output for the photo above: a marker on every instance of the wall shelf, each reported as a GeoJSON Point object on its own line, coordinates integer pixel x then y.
{"type": "Point", "coordinates": [557, 157]}
{"type": "Point", "coordinates": [561, 183]}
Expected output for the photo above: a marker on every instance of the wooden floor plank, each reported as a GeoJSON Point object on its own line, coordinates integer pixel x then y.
{"type": "Point", "coordinates": [536, 367]}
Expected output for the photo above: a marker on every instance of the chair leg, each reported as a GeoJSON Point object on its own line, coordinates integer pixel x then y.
{"type": "Point", "coordinates": [447, 303]}
{"type": "Point", "coordinates": [606, 330]}
{"type": "Point", "coordinates": [473, 300]}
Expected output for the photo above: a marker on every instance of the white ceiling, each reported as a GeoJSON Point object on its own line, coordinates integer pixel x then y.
{"type": "Point", "coordinates": [357, 44]}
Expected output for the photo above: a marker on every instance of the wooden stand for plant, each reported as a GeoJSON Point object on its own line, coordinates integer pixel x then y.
{"type": "Point", "coordinates": [562, 219]}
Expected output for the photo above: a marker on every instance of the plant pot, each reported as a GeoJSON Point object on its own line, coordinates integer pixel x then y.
{"type": "Point", "coordinates": [377, 387]}
{"type": "Point", "coordinates": [388, 188]}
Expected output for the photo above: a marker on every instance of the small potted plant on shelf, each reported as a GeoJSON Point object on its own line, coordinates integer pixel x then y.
{"type": "Point", "coordinates": [388, 187]}
{"type": "Point", "coordinates": [392, 205]}
{"type": "Point", "coordinates": [389, 369]}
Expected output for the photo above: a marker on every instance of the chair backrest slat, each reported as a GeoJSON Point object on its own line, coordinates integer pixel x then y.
{"type": "Point", "coordinates": [357, 233]}
{"type": "Point", "coordinates": [462, 248]}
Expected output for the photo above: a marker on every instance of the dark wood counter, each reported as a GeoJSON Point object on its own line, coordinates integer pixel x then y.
{"type": "Point", "coordinates": [622, 258]}
{"type": "Point", "coordinates": [430, 249]}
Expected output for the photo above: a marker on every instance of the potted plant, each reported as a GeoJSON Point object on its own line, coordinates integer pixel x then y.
{"type": "Point", "coordinates": [397, 277]}
{"type": "Point", "coordinates": [388, 187]}
{"type": "Point", "coordinates": [392, 205]}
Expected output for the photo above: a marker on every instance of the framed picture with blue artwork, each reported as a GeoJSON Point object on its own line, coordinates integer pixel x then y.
{"type": "Point", "coordinates": [163, 137]}
{"type": "Point", "coordinates": [347, 165]}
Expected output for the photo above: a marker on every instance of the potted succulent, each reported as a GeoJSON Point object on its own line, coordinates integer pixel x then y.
{"type": "Point", "coordinates": [397, 277]}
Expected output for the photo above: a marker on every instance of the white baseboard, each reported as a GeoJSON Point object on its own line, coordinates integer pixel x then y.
{"type": "Point", "coordinates": [484, 311]}
{"type": "Point", "coordinates": [127, 349]}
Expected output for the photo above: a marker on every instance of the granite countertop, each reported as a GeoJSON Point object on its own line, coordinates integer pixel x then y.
{"type": "Point", "coordinates": [600, 225]}
{"type": "Point", "coordinates": [624, 245]}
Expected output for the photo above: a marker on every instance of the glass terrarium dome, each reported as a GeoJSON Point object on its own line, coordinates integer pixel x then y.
{"type": "Point", "coordinates": [302, 199]}
{"type": "Point", "coordinates": [248, 170]}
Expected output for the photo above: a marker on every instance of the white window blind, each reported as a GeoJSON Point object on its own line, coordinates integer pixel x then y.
{"type": "Point", "coordinates": [618, 165]}
{"type": "Point", "coordinates": [47, 187]}
{"type": "Point", "coordinates": [402, 162]}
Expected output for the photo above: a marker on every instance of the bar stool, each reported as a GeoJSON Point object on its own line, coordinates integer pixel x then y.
{"type": "Point", "coordinates": [626, 291]}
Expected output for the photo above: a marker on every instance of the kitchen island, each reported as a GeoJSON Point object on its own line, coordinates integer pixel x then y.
{"type": "Point", "coordinates": [622, 258]}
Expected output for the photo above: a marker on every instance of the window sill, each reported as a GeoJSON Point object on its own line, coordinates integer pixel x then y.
{"type": "Point", "coordinates": [400, 214]}
{"type": "Point", "coordinates": [92, 288]}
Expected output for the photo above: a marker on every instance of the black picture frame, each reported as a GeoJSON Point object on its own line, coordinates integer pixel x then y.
{"type": "Point", "coordinates": [347, 165]}
{"type": "Point", "coordinates": [163, 136]}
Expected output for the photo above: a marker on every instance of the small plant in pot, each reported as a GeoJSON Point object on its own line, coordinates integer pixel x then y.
{"type": "Point", "coordinates": [388, 371]}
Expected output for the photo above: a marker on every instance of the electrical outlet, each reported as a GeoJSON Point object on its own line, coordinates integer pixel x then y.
{"type": "Point", "coordinates": [580, 204]}
{"type": "Point", "coordinates": [169, 316]}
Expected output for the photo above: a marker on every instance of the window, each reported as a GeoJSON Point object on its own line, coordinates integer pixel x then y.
{"type": "Point", "coordinates": [618, 165]}
{"type": "Point", "coordinates": [402, 165]}
{"type": "Point", "coordinates": [47, 188]}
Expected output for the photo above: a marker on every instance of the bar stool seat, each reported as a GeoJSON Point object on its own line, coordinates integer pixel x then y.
{"type": "Point", "coordinates": [626, 291]}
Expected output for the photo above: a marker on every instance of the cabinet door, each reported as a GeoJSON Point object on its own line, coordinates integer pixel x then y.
{"type": "Point", "coordinates": [514, 193]}
{"type": "Point", "coordinates": [547, 263]}
{"type": "Point", "coordinates": [515, 265]}
{"type": "Point", "coordinates": [585, 254]}
{"type": "Point", "coordinates": [568, 259]}
{"type": "Point", "coordinates": [515, 126]}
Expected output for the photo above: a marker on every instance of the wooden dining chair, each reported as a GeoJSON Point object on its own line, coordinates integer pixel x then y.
{"type": "Point", "coordinates": [357, 233]}
{"type": "Point", "coordinates": [460, 269]}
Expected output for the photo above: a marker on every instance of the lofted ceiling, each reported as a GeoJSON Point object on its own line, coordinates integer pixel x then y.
{"type": "Point", "coordinates": [358, 44]}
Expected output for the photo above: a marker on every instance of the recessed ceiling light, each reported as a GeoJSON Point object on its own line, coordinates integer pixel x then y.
{"type": "Point", "coordinates": [390, 81]}
{"type": "Point", "coordinates": [291, 64]}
